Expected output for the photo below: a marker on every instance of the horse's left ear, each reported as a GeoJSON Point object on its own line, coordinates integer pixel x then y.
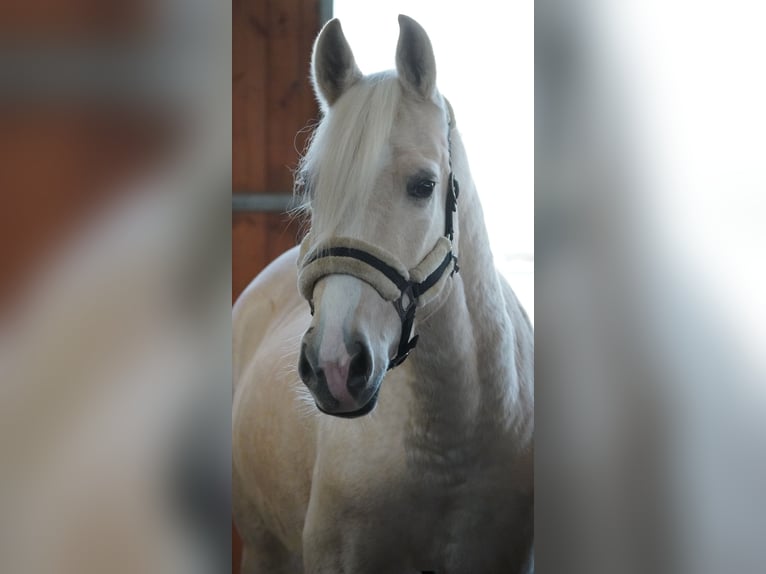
{"type": "Point", "coordinates": [415, 60]}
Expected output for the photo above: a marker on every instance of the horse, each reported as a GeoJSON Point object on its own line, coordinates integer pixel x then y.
{"type": "Point", "coordinates": [358, 447]}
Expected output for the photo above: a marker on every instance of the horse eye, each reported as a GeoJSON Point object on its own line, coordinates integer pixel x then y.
{"type": "Point", "coordinates": [422, 189]}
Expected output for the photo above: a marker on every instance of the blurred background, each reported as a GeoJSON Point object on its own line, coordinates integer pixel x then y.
{"type": "Point", "coordinates": [649, 210]}
{"type": "Point", "coordinates": [124, 150]}
{"type": "Point", "coordinates": [115, 178]}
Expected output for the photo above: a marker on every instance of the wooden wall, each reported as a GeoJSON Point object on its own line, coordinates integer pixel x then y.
{"type": "Point", "coordinates": [272, 106]}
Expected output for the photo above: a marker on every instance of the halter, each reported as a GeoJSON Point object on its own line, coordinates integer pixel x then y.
{"type": "Point", "coordinates": [405, 289]}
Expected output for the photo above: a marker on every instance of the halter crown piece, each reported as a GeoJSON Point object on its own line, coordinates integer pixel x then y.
{"type": "Point", "coordinates": [405, 289]}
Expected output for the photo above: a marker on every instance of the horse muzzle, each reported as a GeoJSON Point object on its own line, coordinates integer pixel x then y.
{"type": "Point", "coordinates": [343, 384]}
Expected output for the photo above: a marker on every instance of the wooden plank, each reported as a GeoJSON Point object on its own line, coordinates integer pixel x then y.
{"type": "Point", "coordinates": [272, 96]}
{"type": "Point", "coordinates": [239, 101]}
{"type": "Point", "coordinates": [307, 112]}
{"type": "Point", "coordinates": [250, 87]}
{"type": "Point", "coordinates": [258, 86]}
{"type": "Point", "coordinates": [258, 239]}
{"type": "Point", "coordinates": [291, 100]}
{"type": "Point", "coordinates": [283, 20]}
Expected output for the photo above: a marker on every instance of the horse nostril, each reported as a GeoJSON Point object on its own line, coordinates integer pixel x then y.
{"type": "Point", "coordinates": [305, 370]}
{"type": "Point", "coordinates": [360, 370]}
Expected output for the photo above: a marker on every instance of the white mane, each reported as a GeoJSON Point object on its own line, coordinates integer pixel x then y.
{"type": "Point", "coordinates": [347, 150]}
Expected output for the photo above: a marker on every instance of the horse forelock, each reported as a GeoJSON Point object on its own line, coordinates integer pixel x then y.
{"type": "Point", "coordinates": [337, 174]}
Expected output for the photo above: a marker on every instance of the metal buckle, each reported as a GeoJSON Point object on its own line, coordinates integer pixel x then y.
{"type": "Point", "coordinates": [411, 302]}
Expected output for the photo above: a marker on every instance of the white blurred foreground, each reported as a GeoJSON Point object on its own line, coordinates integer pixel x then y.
{"type": "Point", "coordinates": [108, 403]}
{"type": "Point", "coordinates": [115, 394]}
{"type": "Point", "coordinates": [650, 331]}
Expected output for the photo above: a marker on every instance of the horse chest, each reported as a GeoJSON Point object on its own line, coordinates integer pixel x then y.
{"type": "Point", "coordinates": [451, 489]}
{"type": "Point", "coordinates": [461, 486]}
{"type": "Point", "coordinates": [454, 521]}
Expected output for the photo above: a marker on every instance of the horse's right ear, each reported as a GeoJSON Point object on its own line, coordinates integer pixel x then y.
{"type": "Point", "coordinates": [333, 68]}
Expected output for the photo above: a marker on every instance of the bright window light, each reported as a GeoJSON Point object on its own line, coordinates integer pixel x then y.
{"type": "Point", "coordinates": [485, 66]}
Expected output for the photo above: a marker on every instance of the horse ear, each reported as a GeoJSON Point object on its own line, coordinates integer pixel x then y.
{"type": "Point", "coordinates": [333, 68]}
{"type": "Point", "coordinates": [415, 60]}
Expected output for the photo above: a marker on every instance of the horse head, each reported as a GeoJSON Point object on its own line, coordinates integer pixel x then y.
{"type": "Point", "coordinates": [379, 186]}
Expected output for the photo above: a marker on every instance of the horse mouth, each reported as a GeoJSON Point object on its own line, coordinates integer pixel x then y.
{"type": "Point", "coordinates": [366, 409]}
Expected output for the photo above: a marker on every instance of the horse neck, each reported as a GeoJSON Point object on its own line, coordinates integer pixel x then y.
{"type": "Point", "coordinates": [467, 361]}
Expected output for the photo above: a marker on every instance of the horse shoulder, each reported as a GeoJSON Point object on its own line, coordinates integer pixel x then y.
{"type": "Point", "coordinates": [259, 305]}
{"type": "Point", "coordinates": [273, 436]}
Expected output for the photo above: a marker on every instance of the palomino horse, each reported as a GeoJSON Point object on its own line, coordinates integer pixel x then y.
{"type": "Point", "coordinates": [438, 473]}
